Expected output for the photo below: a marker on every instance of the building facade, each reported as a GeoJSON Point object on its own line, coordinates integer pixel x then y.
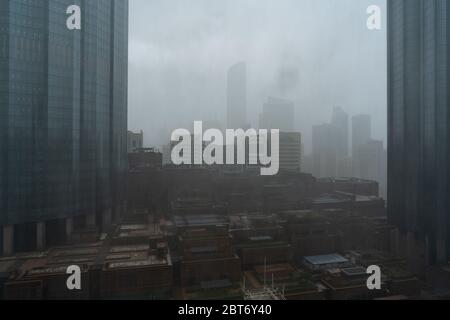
{"type": "Point", "coordinates": [63, 115]}
{"type": "Point", "coordinates": [340, 120]}
{"type": "Point", "coordinates": [278, 114]}
{"type": "Point", "coordinates": [418, 123]}
{"type": "Point", "coordinates": [370, 163]}
{"type": "Point", "coordinates": [135, 141]}
{"type": "Point", "coordinates": [290, 151]}
{"type": "Point", "coordinates": [324, 150]}
{"type": "Point", "coordinates": [361, 131]}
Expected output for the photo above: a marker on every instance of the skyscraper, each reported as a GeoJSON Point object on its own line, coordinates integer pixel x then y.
{"type": "Point", "coordinates": [290, 151]}
{"type": "Point", "coordinates": [370, 163]}
{"type": "Point", "coordinates": [418, 123]}
{"type": "Point", "coordinates": [237, 96]}
{"type": "Point", "coordinates": [340, 121]}
{"type": "Point", "coordinates": [63, 118]}
{"type": "Point", "coordinates": [361, 131]}
{"type": "Point", "coordinates": [324, 153]}
{"type": "Point", "coordinates": [278, 114]}
{"type": "Point", "coordinates": [288, 79]}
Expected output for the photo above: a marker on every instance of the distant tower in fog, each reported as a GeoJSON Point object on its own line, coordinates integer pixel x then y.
{"type": "Point", "coordinates": [369, 163]}
{"type": "Point", "coordinates": [277, 114]}
{"type": "Point", "coordinates": [288, 80]}
{"type": "Point", "coordinates": [237, 96]}
{"type": "Point", "coordinates": [324, 144]}
{"type": "Point", "coordinates": [361, 131]}
{"type": "Point", "coordinates": [340, 121]}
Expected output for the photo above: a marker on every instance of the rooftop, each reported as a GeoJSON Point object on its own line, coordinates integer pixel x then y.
{"type": "Point", "coordinates": [330, 198]}
{"type": "Point", "coordinates": [200, 220]}
{"type": "Point", "coordinates": [326, 259]}
{"type": "Point", "coordinates": [354, 272]}
{"type": "Point", "coordinates": [151, 261]}
{"type": "Point", "coordinates": [147, 252]}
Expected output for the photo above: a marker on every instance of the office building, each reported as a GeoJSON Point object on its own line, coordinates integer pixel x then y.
{"type": "Point", "coordinates": [361, 131]}
{"type": "Point", "coordinates": [418, 127]}
{"type": "Point", "coordinates": [290, 151]}
{"type": "Point", "coordinates": [63, 119]}
{"type": "Point", "coordinates": [145, 159]}
{"type": "Point", "coordinates": [278, 114]}
{"type": "Point", "coordinates": [340, 121]}
{"type": "Point", "coordinates": [135, 141]}
{"type": "Point", "coordinates": [324, 153]}
{"type": "Point", "coordinates": [370, 163]}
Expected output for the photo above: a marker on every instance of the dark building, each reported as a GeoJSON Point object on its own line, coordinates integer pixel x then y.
{"type": "Point", "coordinates": [63, 117]}
{"type": "Point", "coordinates": [145, 159]}
{"type": "Point", "coordinates": [348, 185]}
{"type": "Point", "coordinates": [207, 260]}
{"type": "Point", "coordinates": [418, 118]}
{"type": "Point", "coordinates": [134, 262]}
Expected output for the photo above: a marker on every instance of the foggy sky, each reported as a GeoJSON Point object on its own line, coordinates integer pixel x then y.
{"type": "Point", "coordinates": [180, 51]}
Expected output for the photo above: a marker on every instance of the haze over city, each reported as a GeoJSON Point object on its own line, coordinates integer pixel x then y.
{"type": "Point", "coordinates": [180, 52]}
{"type": "Point", "coordinates": [223, 151]}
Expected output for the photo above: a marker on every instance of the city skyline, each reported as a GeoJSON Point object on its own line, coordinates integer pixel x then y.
{"type": "Point", "coordinates": [291, 150]}
{"type": "Point", "coordinates": [185, 69]}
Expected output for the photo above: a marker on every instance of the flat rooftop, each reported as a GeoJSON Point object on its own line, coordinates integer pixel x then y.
{"type": "Point", "coordinates": [127, 249]}
{"type": "Point", "coordinates": [274, 268]}
{"type": "Point", "coordinates": [354, 272]}
{"type": "Point", "coordinates": [147, 252]}
{"type": "Point", "coordinates": [331, 198]}
{"type": "Point", "coordinates": [261, 238]}
{"type": "Point", "coordinates": [326, 259]}
{"type": "Point", "coordinates": [152, 260]}
{"type": "Point", "coordinates": [346, 180]}
{"type": "Point", "coordinates": [363, 198]}
{"type": "Point", "coordinates": [200, 220]}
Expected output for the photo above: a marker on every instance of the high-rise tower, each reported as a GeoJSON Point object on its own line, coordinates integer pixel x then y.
{"type": "Point", "coordinates": [418, 123]}
{"type": "Point", "coordinates": [63, 117]}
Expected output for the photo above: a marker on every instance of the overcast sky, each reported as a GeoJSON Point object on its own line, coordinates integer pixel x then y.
{"type": "Point", "coordinates": [180, 51]}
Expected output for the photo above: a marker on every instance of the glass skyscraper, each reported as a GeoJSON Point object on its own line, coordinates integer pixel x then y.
{"type": "Point", "coordinates": [63, 110]}
{"type": "Point", "coordinates": [418, 122]}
